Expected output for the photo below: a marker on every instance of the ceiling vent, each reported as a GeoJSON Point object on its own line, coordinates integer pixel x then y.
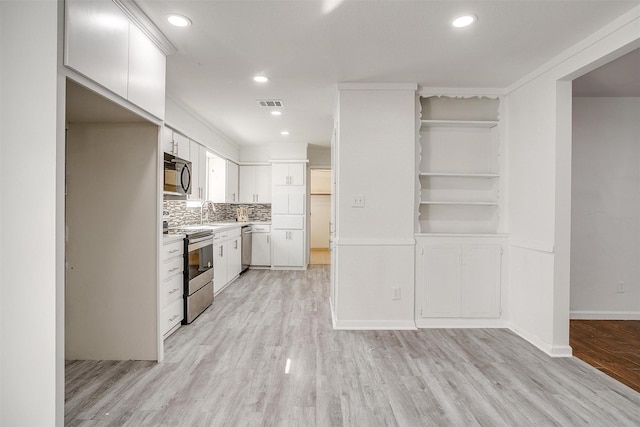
{"type": "Point", "coordinates": [270, 103]}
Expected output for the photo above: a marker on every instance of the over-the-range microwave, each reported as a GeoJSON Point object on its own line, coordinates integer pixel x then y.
{"type": "Point", "coordinates": [177, 176]}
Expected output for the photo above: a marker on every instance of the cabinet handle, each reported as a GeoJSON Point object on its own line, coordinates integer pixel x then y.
{"type": "Point", "coordinates": [257, 198]}
{"type": "Point", "coordinates": [173, 251]}
{"type": "Point", "coordinates": [174, 317]}
{"type": "Point", "coordinates": [268, 240]}
{"type": "Point", "coordinates": [235, 242]}
{"type": "Point", "coordinates": [173, 291]}
{"type": "Point", "coordinates": [174, 269]}
{"type": "Point", "coordinates": [222, 251]}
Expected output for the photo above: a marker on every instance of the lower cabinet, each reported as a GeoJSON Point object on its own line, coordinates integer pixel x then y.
{"type": "Point", "coordinates": [171, 287]}
{"type": "Point", "coordinates": [458, 277]}
{"type": "Point", "coordinates": [288, 248]}
{"type": "Point", "coordinates": [227, 258]}
{"type": "Point", "coordinates": [261, 246]}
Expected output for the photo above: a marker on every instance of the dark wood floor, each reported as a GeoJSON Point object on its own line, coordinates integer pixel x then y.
{"type": "Point", "coordinates": [612, 346]}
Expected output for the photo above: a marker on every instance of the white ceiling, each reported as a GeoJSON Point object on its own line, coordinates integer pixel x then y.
{"type": "Point", "coordinates": [307, 47]}
{"type": "Point", "coordinates": [620, 77]}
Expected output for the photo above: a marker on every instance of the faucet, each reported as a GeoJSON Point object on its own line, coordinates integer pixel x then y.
{"type": "Point", "coordinates": [210, 205]}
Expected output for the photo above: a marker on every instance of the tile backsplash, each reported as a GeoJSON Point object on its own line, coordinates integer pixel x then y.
{"type": "Point", "coordinates": [180, 214]}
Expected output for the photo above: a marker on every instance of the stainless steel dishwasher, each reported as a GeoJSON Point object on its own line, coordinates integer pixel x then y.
{"type": "Point", "coordinates": [246, 247]}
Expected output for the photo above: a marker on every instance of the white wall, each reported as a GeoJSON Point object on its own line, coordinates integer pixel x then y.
{"type": "Point", "coordinates": [290, 151]}
{"type": "Point", "coordinates": [188, 123]}
{"type": "Point", "coordinates": [375, 244]}
{"type": "Point", "coordinates": [605, 216]}
{"type": "Point", "coordinates": [319, 156]}
{"type": "Point", "coordinates": [539, 169]}
{"type": "Point", "coordinates": [31, 368]}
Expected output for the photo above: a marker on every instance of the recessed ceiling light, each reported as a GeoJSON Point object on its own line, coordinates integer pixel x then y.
{"type": "Point", "coordinates": [260, 79]}
{"type": "Point", "coordinates": [178, 20]}
{"type": "Point", "coordinates": [276, 113]}
{"type": "Point", "coordinates": [284, 132]}
{"type": "Point", "coordinates": [464, 21]}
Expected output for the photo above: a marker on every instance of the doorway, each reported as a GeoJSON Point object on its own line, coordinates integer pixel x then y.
{"type": "Point", "coordinates": [605, 219]}
{"type": "Point", "coordinates": [320, 216]}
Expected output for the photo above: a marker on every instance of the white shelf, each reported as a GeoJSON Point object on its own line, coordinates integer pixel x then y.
{"type": "Point", "coordinates": [435, 202]}
{"type": "Point", "coordinates": [458, 175]}
{"type": "Point", "coordinates": [460, 123]}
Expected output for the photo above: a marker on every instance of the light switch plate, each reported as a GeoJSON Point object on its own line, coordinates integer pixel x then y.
{"type": "Point", "coordinates": [358, 201]}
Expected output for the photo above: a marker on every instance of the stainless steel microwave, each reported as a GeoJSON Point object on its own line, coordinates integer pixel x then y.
{"type": "Point", "coordinates": [177, 176]}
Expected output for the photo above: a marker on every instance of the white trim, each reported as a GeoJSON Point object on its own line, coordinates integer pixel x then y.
{"type": "Point", "coordinates": [628, 18]}
{"type": "Point", "coordinates": [457, 323]}
{"type": "Point", "coordinates": [289, 161]}
{"type": "Point", "coordinates": [281, 268]}
{"type": "Point", "coordinates": [374, 242]}
{"type": "Point", "coordinates": [378, 86]}
{"type": "Point", "coordinates": [533, 246]}
{"type": "Point", "coordinates": [146, 25]}
{"type": "Point", "coordinates": [461, 92]}
{"type": "Point", "coordinates": [551, 350]}
{"type": "Point", "coordinates": [464, 235]}
{"type": "Point", "coordinates": [375, 325]}
{"type": "Point", "coordinates": [333, 314]}
{"type": "Point", "coordinates": [604, 315]}
{"type": "Point", "coordinates": [254, 164]}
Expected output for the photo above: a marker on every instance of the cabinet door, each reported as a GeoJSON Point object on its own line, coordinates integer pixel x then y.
{"type": "Point", "coordinates": [296, 173]}
{"type": "Point", "coordinates": [247, 184]}
{"type": "Point", "coordinates": [280, 247]}
{"type": "Point", "coordinates": [217, 175]}
{"type": "Point", "coordinates": [280, 203]}
{"type": "Point", "coordinates": [235, 257]}
{"type": "Point", "coordinates": [296, 204]}
{"type": "Point", "coordinates": [262, 184]}
{"type": "Point", "coordinates": [442, 268]}
{"type": "Point", "coordinates": [147, 66]}
{"type": "Point", "coordinates": [100, 52]}
{"type": "Point", "coordinates": [202, 170]}
{"type": "Point", "coordinates": [219, 266]}
{"type": "Point", "coordinates": [296, 248]}
{"type": "Point", "coordinates": [194, 156]}
{"type": "Point", "coordinates": [181, 146]}
{"type": "Point", "coordinates": [481, 281]}
{"type": "Point", "coordinates": [167, 140]}
{"type": "Point", "coordinates": [261, 249]}
{"type": "Point", "coordinates": [232, 182]}
{"type": "Point", "coordinates": [280, 173]}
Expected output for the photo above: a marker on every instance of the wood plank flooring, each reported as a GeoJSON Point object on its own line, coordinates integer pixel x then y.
{"type": "Point", "coordinates": [612, 346]}
{"type": "Point", "coordinates": [229, 368]}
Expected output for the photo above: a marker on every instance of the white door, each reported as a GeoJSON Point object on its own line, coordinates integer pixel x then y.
{"type": "Point", "coordinates": [296, 204]}
{"type": "Point", "coordinates": [280, 247]}
{"type": "Point", "coordinates": [280, 173]}
{"type": "Point", "coordinates": [219, 266]}
{"type": "Point", "coordinates": [481, 281]}
{"type": "Point", "coordinates": [235, 257]}
{"type": "Point", "coordinates": [442, 271]}
{"type": "Point", "coordinates": [232, 182]}
{"type": "Point", "coordinates": [261, 249]}
{"type": "Point", "coordinates": [167, 140]}
{"type": "Point", "coordinates": [280, 203]}
{"type": "Point", "coordinates": [296, 248]}
{"type": "Point", "coordinates": [262, 184]}
{"type": "Point", "coordinates": [296, 173]}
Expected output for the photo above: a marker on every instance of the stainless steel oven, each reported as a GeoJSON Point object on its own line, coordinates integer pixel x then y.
{"type": "Point", "coordinates": [198, 273]}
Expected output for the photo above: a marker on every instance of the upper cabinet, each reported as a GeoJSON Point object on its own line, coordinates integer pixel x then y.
{"type": "Point", "coordinates": [288, 173]}
{"type": "Point", "coordinates": [459, 168]}
{"type": "Point", "coordinates": [103, 45]}
{"type": "Point", "coordinates": [222, 175]}
{"type": "Point", "coordinates": [198, 158]}
{"type": "Point", "coordinates": [255, 184]}
{"type": "Point", "coordinates": [232, 182]}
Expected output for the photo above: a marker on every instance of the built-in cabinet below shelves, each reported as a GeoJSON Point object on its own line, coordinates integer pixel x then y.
{"type": "Point", "coordinates": [459, 168]}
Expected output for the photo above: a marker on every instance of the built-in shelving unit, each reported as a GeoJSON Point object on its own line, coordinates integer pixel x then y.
{"type": "Point", "coordinates": [459, 166]}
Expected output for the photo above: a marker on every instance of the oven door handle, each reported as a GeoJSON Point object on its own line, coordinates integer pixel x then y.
{"type": "Point", "coordinates": [200, 243]}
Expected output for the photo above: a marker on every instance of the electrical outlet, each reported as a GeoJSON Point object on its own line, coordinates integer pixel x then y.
{"type": "Point", "coordinates": [395, 293]}
{"type": "Point", "coordinates": [358, 201]}
{"type": "Point", "coordinates": [620, 287]}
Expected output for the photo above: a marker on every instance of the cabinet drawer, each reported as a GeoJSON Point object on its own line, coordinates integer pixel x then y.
{"type": "Point", "coordinates": [234, 233]}
{"type": "Point", "coordinates": [171, 290]}
{"type": "Point", "coordinates": [171, 267]}
{"type": "Point", "coordinates": [261, 228]}
{"type": "Point", "coordinates": [172, 315]}
{"type": "Point", "coordinates": [291, 222]}
{"type": "Point", "coordinates": [171, 250]}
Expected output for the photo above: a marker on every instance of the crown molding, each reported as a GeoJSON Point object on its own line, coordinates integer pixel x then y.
{"type": "Point", "coordinates": [131, 9]}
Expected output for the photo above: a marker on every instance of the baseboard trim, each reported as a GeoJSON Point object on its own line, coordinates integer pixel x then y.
{"type": "Point", "coordinates": [368, 325]}
{"type": "Point", "coordinates": [604, 315]}
{"type": "Point", "coordinates": [551, 350]}
{"type": "Point", "coordinates": [455, 323]}
{"type": "Point", "coordinates": [333, 314]}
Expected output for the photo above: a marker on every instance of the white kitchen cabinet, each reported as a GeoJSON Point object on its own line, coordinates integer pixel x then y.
{"type": "Point", "coordinates": [255, 184]}
{"type": "Point", "coordinates": [287, 203]}
{"type": "Point", "coordinates": [147, 65]}
{"type": "Point", "coordinates": [97, 43]}
{"type": "Point", "coordinates": [227, 258]}
{"type": "Point", "coordinates": [232, 195]}
{"type": "Point", "coordinates": [167, 139]}
{"type": "Point", "coordinates": [103, 45]}
{"type": "Point", "coordinates": [458, 278]}
{"type": "Point", "coordinates": [261, 246]}
{"type": "Point", "coordinates": [288, 173]}
{"type": "Point", "coordinates": [198, 157]}
{"type": "Point", "coordinates": [181, 146]}
{"type": "Point", "coordinates": [171, 287]}
{"type": "Point", "coordinates": [288, 248]}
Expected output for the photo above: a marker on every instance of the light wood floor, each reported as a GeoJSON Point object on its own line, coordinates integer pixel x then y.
{"type": "Point", "coordinates": [229, 369]}
{"type": "Point", "coordinates": [612, 346]}
{"type": "Point", "coordinates": [320, 256]}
